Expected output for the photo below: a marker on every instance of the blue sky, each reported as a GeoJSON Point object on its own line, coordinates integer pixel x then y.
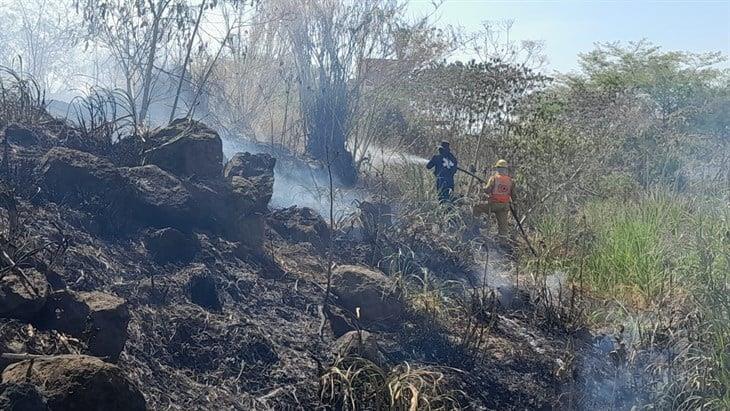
{"type": "Point", "coordinates": [571, 27]}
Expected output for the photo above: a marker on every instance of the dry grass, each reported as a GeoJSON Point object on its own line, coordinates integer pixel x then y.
{"type": "Point", "coordinates": [354, 383]}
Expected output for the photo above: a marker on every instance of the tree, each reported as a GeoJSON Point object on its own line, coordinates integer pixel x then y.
{"type": "Point", "coordinates": [473, 101]}
{"type": "Point", "coordinates": [329, 40]}
{"type": "Point", "coordinates": [680, 93]}
{"type": "Point", "coordinates": [38, 38]}
{"type": "Point", "coordinates": [137, 33]}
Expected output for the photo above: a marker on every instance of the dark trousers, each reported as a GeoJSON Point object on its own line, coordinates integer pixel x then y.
{"type": "Point", "coordinates": [444, 193]}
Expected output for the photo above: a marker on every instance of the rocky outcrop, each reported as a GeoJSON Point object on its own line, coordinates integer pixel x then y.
{"type": "Point", "coordinates": [64, 311]}
{"type": "Point", "coordinates": [170, 245]}
{"type": "Point", "coordinates": [250, 165]}
{"type": "Point", "coordinates": [22, 294]}
{"type": "Point", "coordinates": [157, 197]}
{"type": "Point", "coordinates": [187, 148]}
{"type": "Point", "coordinates": [251, 177]}
{"type": "Point", "coordinates": [20, 135]}
{"type": "Point", "coordinates": [301, 225]}
{"type": "Point", "coordinates": [249, 230]}
{"type": "Point", "coordinates": [77, 382]}
{"type": "Point", "coordinates": [367, 291]}
{"type": "Point", "coordinates": [74, 176]}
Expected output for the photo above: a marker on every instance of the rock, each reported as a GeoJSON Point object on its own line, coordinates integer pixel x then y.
{"type": "Point", "coordinates": [249, 165]}
{"type": "Point", "coordinates": [301, 225]}
{"type": "Point", "coordinates": [187, 148]}
{"type": "Point", "coordinates": [170, 245]}
{"type": "Point", "coordinates": [21, 397]}
{"type": "Point", "coordinates": [250, 195]}
{"type": "Point", "coordinates": [64, 311]}
{"type": "Point", "coordinates": [77, 382]}
{"type": "Point", "coordinates": [203, 291]}
{"type": "Point", "coordinates": [71, 175]}
{"type": "Point", "coordinates": [108, 319]}
{"type": "Point", "coordinates": [97, 318]}
{"type": "Point", "coordinates": [20, 298]}
{"type": "Point", "coordinates": [252, 179]}
{"type": "Point", "coordinates": [366, 289]}
{"type": "Point", "coordinates": [20, 135]}
{"type": "Point", "coordinates": [157, 197]}
{"type": "Point", "coordinates": [250, 231]}
{"type": "Point", "coordinates": [360, 344]}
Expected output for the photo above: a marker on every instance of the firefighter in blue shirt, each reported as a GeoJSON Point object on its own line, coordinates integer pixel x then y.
{"type": "Point", "coordinates": [444, 167]}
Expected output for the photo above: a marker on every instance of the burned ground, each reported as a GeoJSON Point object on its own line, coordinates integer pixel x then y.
{"type": "Point", "coordinates": [236, 320]}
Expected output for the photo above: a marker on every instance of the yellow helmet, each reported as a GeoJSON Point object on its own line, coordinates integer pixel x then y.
{"type": "Point", "coordinates": [501, 164]}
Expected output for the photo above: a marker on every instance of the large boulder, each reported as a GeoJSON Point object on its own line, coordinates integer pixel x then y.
{"type": "Point", "coordinates": [251, 177]}
{"type": "Point", "coordinates": [186, 148]}
{"type": "Point", "coordinates": [301, 225]}
{"type": "Point", "coordinates": [97, 318]}
{"type": "Point", "coordinates": [367, 291]}
{"type": "Point", "coordinates": [22, 295]}
{"type": "Point", "coordinates": [170, 245]}
{"type": "Point", "coordinates": [107, 325]}
{"type": "Point", "coordinates": [77, 382]}
{"type": "Point", "coordinates": [157, 197]}
{"type": "Point", "coordinates": [72, 175]}
{"type": "Point", "coordinates": [21, 397]}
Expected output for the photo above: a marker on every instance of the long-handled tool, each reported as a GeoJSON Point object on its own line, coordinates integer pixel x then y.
{"type": "Point", "coordinates": [511, 209]}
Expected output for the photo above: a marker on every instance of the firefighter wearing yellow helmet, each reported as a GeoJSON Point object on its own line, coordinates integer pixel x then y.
{"type": "Point", "coordinates": [498, 191]}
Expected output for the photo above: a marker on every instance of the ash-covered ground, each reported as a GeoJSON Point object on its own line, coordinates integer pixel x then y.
{"type": "Point", "coordinates": [152, 274]}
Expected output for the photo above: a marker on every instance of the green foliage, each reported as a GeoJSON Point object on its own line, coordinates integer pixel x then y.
{"type": "Point", "coordinates": [633, 243]}
{"type": "Point", "coordinates": [664, 259]}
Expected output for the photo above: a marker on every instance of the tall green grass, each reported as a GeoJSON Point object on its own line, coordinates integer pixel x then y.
{"type": "Point", "coordinates": [665, 258]}
{"type": "Point", "coordinates": [635, 245]}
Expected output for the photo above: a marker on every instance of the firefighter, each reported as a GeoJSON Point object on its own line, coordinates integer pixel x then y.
{"type": "Point", "coordinates": [444, 165]}
{"type": "Point", "coordinates": [498, 190]}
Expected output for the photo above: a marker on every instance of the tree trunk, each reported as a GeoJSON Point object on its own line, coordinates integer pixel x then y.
{"type": "Point", "coordinates": [187, 60]}
{"type": "Point", "coordinates": [147, 79]}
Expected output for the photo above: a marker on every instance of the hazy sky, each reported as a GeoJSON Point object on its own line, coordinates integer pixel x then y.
{"type": "Point", "coordinates": [571, 27]}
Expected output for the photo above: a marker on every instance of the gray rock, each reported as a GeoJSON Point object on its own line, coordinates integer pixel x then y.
{"type": "Point", "coordinates": [369, 291]}
{"type": "Point", "coordinates": [107, 328]}
{"type": "Point", "coordinates": [74, 176]}
{"type": "Point", "coordinates": [157, 197]}
{"type": "Point", "coordinates": [20, 298]}
{"type": "Point", "coordinates": [187, 148]}
{"type": "Point", "coordinates": [77, 382]}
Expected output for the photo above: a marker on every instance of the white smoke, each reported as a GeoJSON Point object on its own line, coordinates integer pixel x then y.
{"type": "Point", "coordinates": [299, 183]}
